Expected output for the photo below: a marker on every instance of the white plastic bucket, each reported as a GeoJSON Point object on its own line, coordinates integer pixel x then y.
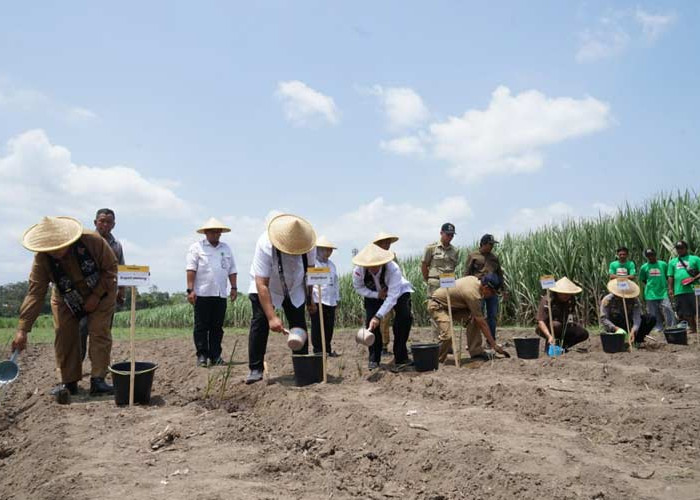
{"type": "Point", "coordinates": [296, 338]}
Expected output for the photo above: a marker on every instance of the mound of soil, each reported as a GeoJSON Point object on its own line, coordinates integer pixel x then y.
{"type": "Point", "coordinates": [585, 425]}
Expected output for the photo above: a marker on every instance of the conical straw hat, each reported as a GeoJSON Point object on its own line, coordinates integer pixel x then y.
{"type": "Point", "coordinates": [631, 292]}
{"type": "Point", "coordinates": [291, 234]}
{"type": "Point", "coordinates": [324, 243]}
{"type": "Point", "coordinates": [385, 236]}
{"type": "Point", "coordinates": [214, 223]}
{"type": "Point", "coordinates": [565, 285]}
{"type": "Point", "coordinates": [52, 233]}
{"type": "Point", "coordinates": [372, 255]}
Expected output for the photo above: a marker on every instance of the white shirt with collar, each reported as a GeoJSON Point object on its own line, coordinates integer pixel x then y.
{"type": "Point", "coordinates": [212, 265]}
{"type": "Point", "coordinates": [265, 266]}
{"type": "Point", "coordinates": [396, 284]}
{"type": "Point", "coordinates": [331, 292]}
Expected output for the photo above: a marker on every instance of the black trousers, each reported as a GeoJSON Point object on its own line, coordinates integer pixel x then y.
{"type": "Point", "coordinates": [328, 326]}
{"type": "Point", "coordinates": [648, 323]}
{"type": "Point", "coordinates": [402, 327]}
{"type": "Point", "coordinates": [260, 330]}
{"type": "Point", "coordinates": [209, 314]}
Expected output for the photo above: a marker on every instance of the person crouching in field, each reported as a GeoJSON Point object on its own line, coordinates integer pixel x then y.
{"type": "Point", "coordinates": [278, 280]}
{"type": "Point", "coordinates": [83, 269]}
{"type": "Point", "coordinates": [330, 294]}
{"type": "Point", "coordinates": [612, 311]}
{"type": "Point", "coordinates": [465, 298]}
{"type": "Point", "coordinates": [380, 281]}
{"type": "Point", "coordinates": [567, 332]}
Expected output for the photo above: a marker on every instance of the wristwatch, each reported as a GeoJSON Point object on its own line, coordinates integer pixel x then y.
{"type": "Point", "coordinates": [189, 291]}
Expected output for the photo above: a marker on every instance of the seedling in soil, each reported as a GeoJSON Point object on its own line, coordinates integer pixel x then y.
{"type": "Point", "coordinates": [227, 373]}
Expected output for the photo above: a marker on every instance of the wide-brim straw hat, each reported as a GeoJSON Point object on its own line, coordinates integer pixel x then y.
{"type": "Point", "coordinates": [385, 236]}
{"type": "Point", "coordinates": [323, 242]}
{"type": "Point", "coordinates": [52, 233]}
{"type": "Point", "coordinates": [631, 292]}
{"type": "Point", "coordinates": [214, 223]}
{"type": "Point", "coordinates": [565, 285]}
{"type": "Point", "coordinates": [372, 255]}
{"type": "Point", "coordinates": [291, 234]}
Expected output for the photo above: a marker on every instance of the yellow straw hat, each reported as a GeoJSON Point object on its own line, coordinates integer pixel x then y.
{"type": "Point", "coordinates": [565, 285]}
{"type": "Point", "coordinates": [372, 255]}
{"type": "Point", "coordinates": [52, 233]}
{"type": "Point", "coordinates": [323, 242]}
{"type": "Point", "coordinates": [385, 236]}
{"type": "Point", "coordinates": [631, 292]}
{"type": "Point", "coordinates": [291, 234]}
{"type": "Point", "coordinates": [214, 223]}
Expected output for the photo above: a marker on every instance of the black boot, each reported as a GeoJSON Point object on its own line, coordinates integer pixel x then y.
{"type": "Point", "coordinates": [99, 386]}
{"type": "Point", "coordinates": [62, 392]}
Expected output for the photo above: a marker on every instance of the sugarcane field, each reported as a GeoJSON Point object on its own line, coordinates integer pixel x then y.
{"type": "Point", "coordinates": [350, 250]}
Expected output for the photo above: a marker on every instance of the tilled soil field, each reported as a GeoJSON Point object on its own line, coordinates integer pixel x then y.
{"type": "Point", "coordinates": [586, 425]}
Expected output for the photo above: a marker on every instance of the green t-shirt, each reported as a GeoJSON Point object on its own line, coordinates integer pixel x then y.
{"type": "Point", "coordinates": [677, 270]}
{"type": "Point", "coordinates": [654, 278]}
{"type": "Point", "coordinates": [619, 269]}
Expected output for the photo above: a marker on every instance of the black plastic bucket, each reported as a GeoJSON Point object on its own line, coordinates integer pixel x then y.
{"type": "Point", "coordinates": [143, 381]}
{"type": "Point", "coordinates": [676, 336]}
{"type": "Point", "coordinates": [308, 368]}
{"type": "Point", "coordinates": [425, 357]}
{"type": "Point", "coordinates": [527, 347]}
{"type": "Point", "coordinates": [613, 342]}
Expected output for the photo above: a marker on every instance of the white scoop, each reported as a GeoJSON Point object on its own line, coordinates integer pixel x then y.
{"type": "Point", "coordinates": [364, 337]}
{"type": "Point", "coordinates": [296, 338]}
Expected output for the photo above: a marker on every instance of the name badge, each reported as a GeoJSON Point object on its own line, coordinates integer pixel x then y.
{"type": "Point", "coordinates": [448, 280]}
{"type": "Point", "coordinates": [318, 276]}
{"type": "Point", "coordinates": [547, 281]}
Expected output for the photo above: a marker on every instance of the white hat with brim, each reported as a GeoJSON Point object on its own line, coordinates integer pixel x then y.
{"type": "Point", "coordinates": [52, 233]}
{"type": "Point", "coordinates": [291, 234]}
{"type": "Point", "coordinates": [214, 223]}
{"type": "Point", "coordinates": [323, 242]}
{"type": "Point", "coordinates": [565, 285]}
{"type": "Point", "coordinates": [385, 236]}
{"type": "Point", "coordinates": [630, 292]}
{"type": "Point", "coordinates": [372, 255]}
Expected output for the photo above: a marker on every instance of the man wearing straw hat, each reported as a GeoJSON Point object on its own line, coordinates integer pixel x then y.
{"type": "Point", "coordinates": [330, 294]}
{"type": "Point", "coordinates": [616, 318]}
{"type": "Point", "coordinates": [465, 299]}
{"type": "Point", "coordinates": [210, 268]}
{"type": "Point", "coordinates": [567, 332]}
{"type": "Point", "coordinates": [83, 269]}
{"type": "Point", "coordinates": [384, 241]}
{"type": "Point", "coordinates": [379, 280]}
{"type": "Point", "coordinates": [278, 280]}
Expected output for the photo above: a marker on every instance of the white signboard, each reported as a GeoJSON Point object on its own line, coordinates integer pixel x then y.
{"type": "Point", "coordinates": [133, 275]}
{"type": "Point", "coordinates": [318, 276]}
{"type": "Point", "coordinates": [697, 290]}
{"type": "Point", "coordinates": [623, 284]}
{"type": "Point", "coordinates": [547, 281]}
{"type": "Point", "coordinates": [447, 280]}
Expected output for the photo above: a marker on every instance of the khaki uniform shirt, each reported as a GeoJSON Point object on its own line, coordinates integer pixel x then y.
{"type": "Point", "coordinates": [41, 276]}
{"type": "Point", "coordinates": [612, 313]}
{"type": "Point", "coordinates": [466, 294]}
{"type": "Point", "coordinates": [440, 259]}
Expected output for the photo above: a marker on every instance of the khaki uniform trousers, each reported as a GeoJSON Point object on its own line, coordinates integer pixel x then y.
{"type": "Point", "coordinates": [385, 328]}
{"type": "Point", "coordinates": [432, 285]}
{"type": "Point", "coordinates": [441, 317]}
{"type": "Point", "coordinates": [67, 341]}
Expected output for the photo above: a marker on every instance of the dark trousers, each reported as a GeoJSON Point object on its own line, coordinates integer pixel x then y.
{"type": "Point", "coordinates": [648, 322]}
{"type": "Point", "coordinates": [402, 328]}
{"type": "Point", "coordinates": [490, 308]}
{"type": "Point", "coordinates": [328, 325]}
{"type": "Point", "coordinates": [260, 330]}
{"type": "Point", "coordinates": [209, 313]}
{"type": "Point", "coordinates": [574, 334]}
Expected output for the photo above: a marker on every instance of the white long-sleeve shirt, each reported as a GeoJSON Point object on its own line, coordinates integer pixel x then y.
{"type": "Point", "coordinates": [396, 284]}
{"type": "Point", "coordinates": [264, 265]}
{"type": "Point", "coordinates": [329, 293]}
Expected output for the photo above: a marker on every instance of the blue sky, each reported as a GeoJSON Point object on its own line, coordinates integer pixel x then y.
{"type": "Point", "coordinates": [360, 116]}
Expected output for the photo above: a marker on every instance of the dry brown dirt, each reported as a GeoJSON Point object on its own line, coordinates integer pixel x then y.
{"type": "Point", "coordinates": [586, 425]}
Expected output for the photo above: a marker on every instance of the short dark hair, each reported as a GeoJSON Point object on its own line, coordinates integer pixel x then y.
{"type": "Point", "coordinates": [622, 249]}
{"type": "Point", "coordinates": [105, 211]}
{"type": "Point", "coordinates": [681, 244]}
{"type": "Point", "coordinates": [649, 251]}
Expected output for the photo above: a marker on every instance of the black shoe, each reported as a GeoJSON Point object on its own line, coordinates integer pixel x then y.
{"type": "Point", "coordinates": [99, 386]}
{"type": "Point", "coordinates": [405, 362]}
{"type": "Point", "coordinates": [71, 387]}
{"type": "Point", "coordinates": [217, 362]}
{"type": "Point", "coordinates": [373, 365]}
{"type": "Point", "coordinates": [385, 353]}
{"type": "Point", "coordinates": [202, 360]}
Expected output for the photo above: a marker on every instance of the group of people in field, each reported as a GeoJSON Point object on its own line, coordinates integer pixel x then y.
{"type": "Point", "coordinates": [82, 265]}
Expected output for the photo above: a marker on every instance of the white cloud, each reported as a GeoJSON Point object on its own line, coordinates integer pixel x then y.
{"type": "Point", "coordinates": [508, 136]}
{"type": "Point", "coordinates": [403, 106]}
{"type": "Point", "coordinates": [529, 219]}
{"type": "Point", "coordinates": [618, 31]}
{"type": "Point", "coordinates": [404, 145]}
{"type": "Point", "coordinates": [79, 113]}
{"type": "Point", "coordinates": [29, 100]}
{"type": "Point", "coordinates": [304, 105]}
{"type": "Point", "coordinates": [604, 208]}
